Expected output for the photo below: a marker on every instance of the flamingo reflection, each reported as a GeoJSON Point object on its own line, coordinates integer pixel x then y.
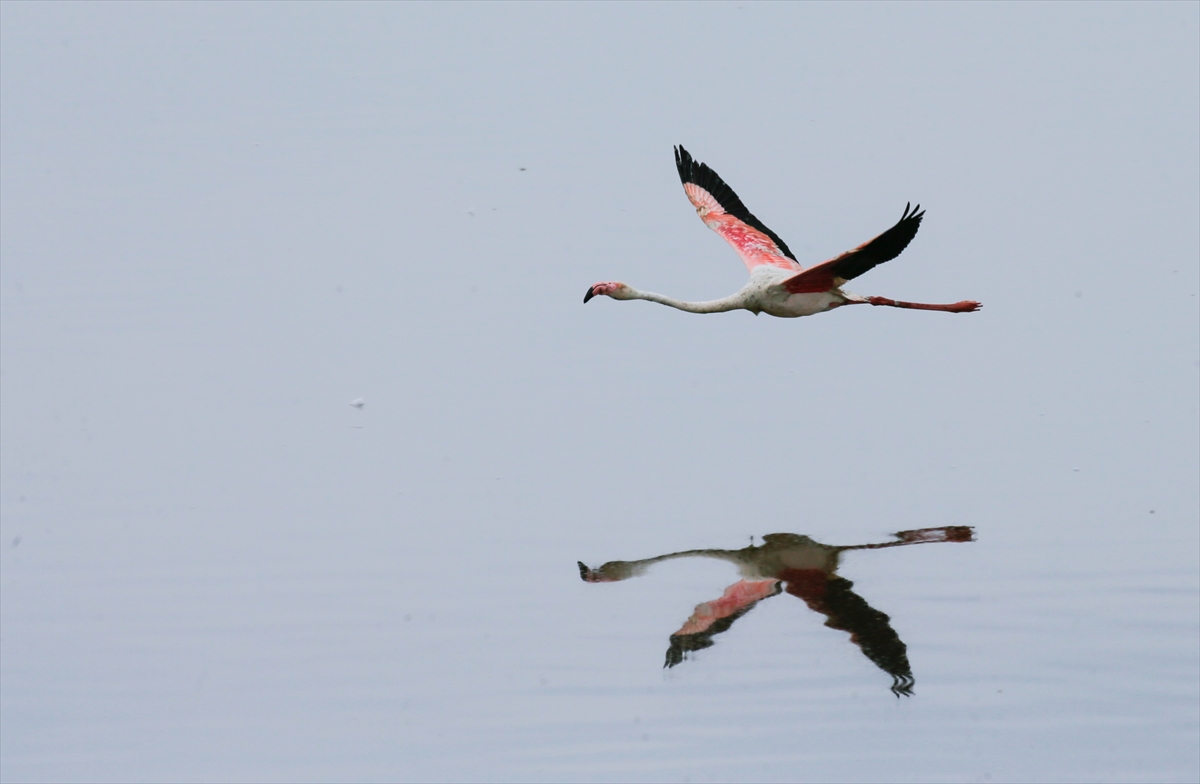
{"type": "Point", "coordinates": [805, 569]}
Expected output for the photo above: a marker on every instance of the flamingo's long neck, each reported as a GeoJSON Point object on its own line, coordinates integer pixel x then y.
{"type": "Point", "coordinates": [623, 570]}
{"type": "Point", "coordinates": [733, 302]}
{"type": "Point", "coordinates": [734, 556]}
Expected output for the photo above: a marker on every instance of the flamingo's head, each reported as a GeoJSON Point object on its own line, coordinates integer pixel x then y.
{"type": "Point", "coordinates": [611, 572]}
{"type": "Point", "coordinates": [609, 288]}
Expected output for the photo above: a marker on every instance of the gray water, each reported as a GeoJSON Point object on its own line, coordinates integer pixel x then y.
{"type": "Point", "coordinates": [223, 224]}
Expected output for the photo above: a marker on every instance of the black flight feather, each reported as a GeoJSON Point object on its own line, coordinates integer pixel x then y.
{"type": "Point", "coordinates": [885, 247]}
{"type": "Point", "coordinates": [709, 180]}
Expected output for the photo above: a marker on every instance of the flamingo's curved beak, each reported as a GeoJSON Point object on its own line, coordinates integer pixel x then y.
{"type": "Point", "coordinates": [591, 293]}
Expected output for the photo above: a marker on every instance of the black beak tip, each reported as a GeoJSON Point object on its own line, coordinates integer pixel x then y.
{"type": "Point", "coordinates": [591, 293]}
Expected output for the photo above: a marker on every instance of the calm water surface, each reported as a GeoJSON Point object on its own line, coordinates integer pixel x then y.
{"type": "Point", "coordinates": [862, 546]}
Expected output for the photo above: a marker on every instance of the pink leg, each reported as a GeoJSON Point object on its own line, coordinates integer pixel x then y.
{"type": "Point", "coordinates": [948, 533]}
{"type": "Point", "coordinates": [966, 306]}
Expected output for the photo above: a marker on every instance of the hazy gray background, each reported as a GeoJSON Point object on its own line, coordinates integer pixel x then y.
{"type": "Point", "coordinates": [224, 222]}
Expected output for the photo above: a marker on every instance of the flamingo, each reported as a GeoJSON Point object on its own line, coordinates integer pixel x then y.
{"type": "Point", "coordinates": [804, 568]}
{"type": "Point", "coordinates": [778, 285]}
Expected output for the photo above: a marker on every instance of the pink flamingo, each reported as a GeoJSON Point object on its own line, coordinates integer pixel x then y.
{"type": "Point", "coordinates": [803, 568]}
{"type": "Point", "coordinates": [778, 285]}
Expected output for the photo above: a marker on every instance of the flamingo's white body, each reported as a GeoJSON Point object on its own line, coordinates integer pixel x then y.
{"type": "Point", "coordinates": [778, 285]}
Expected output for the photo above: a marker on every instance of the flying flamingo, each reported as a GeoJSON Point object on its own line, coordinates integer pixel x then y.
{"type": "Point", "coordinates": [778, 285]}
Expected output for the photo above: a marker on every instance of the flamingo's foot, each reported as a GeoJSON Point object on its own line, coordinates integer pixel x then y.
{"type": "Point", "coordinates": [948, 533]}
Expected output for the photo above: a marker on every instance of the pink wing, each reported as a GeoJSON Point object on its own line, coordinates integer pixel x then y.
{"type": "Point", "coordinates": [723, 212]}
{"type": "Point", "coordinates": [738, 598]}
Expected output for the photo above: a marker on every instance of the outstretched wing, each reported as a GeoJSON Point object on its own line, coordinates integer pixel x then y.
{"type": "Point", "coordinates": [852, 263]}
{"type": "Point", "coordinates": [712, 618]}
{"type": "Point", "coordinates": [723, 212]}
{"type": "Point", "coordinates": [869, 628]}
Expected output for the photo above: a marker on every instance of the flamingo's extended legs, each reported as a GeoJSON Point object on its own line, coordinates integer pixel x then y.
{"type": "Point", "coordinates": [966, 306]}
{"type": "Point", "coordinates": [947, 533]}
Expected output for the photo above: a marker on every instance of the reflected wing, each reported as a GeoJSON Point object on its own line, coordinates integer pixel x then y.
{"type": "Point", "coordinates": [712, 618]}
{"type": "Point", "coordinates": [869, 628]}
{"type": "Point", "coordinates": [852, 263]}
{"type": "Point", "coordinates": [723, 212]}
